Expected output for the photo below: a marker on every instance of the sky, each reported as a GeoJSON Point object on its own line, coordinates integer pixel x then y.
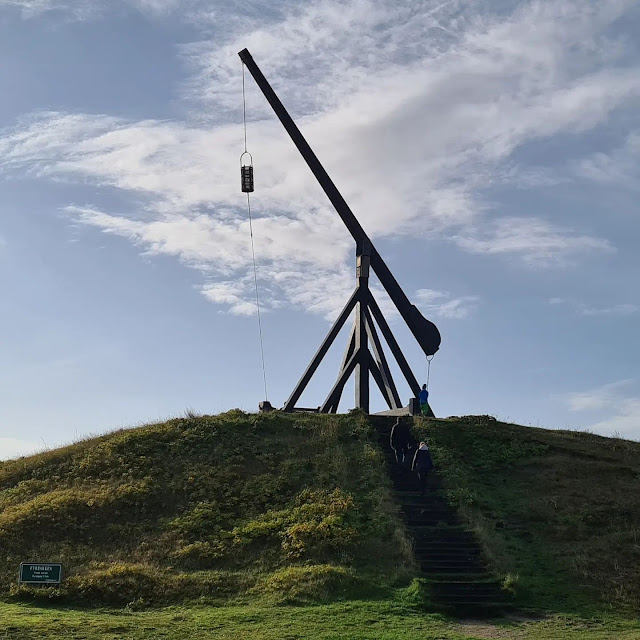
{"type": "Point", "coordinates": [489, 149]}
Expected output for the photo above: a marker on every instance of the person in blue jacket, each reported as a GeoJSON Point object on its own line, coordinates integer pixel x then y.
{"type": "Point", "coordinates": [422, 464]}
{"type": "Point", "coordinates": [423, 396]}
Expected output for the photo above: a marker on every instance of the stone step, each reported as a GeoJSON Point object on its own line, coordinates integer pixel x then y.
{"type": "Point", "coordinates": [446, 548]}
{"type": "Point", "coordinates": [426, 542]}
{"type": "Point", "coordinates": [461, 601]}
{"type": "Point", "coordinates": [449, 577]}
{"type": "Point", "coordinates": [470, 561]}
{"type": "Point", "coordinates": [476, 562]}
{"type": "Point", "coordinates": [450, 569]}
{"type": "Point", "coordinates": [413, 494]}
{"type": "Point", "coordinates": [438, 556]}
{"type": "Point", "coordinates": [427, 514]}
{"type": "Point", "coordinates": [449, 556]}
{"type": "Point", "coordinates": [427, 503]}
{"type": "Point", "coordinates": [417, 511]}
{"type": "Point", "coordinates": [415, 500]}
{"type": "Point", "coordinates": [435, 554]}
{"type": "Point", "coordinates": [457, 554]}
{"type": "Point", "coordinates": [459, 584]}
{"type": "Point", "coordinates": [463, 588]}
{"type": "Point", "coordinates": [455, 531]}
{"type": "Point", "coordinates": [433, 521]}
{"type": "Point", "coordinates": [476, 608]}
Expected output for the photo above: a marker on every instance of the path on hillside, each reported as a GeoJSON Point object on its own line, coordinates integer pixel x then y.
{"type": "Point", "coordinates": [449, 556]}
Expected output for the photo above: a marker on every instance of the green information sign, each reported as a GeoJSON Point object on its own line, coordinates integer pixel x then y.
{"type": "Point", "coordinates": [40, 573]}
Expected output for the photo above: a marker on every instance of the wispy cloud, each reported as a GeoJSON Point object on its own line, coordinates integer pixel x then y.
{"type": "Point", "coordinates": [413, 110]}
{"type": "Point", "coordinates": [442, 304]}
{"type": "Point", "coordinates": [598, 398]}
{"type": "Point", "coordinates": [233, 294]}
{"type": "Point", "coordinates": [85, 9]}
{"type": "Point", "coordinates": [535, 242]}
{"type": "Point", "coordinates": [618, 167]}
{"type": "Point", "coordinates": [615, 397]}
{"type": "Point", "coordinates": [586, 310]}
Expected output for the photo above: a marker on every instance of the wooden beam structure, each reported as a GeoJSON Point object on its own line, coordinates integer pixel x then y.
{"type": "Point", "coordinates": [364, 356]}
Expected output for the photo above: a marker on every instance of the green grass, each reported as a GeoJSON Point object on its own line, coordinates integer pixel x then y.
{"type": "Point", "coordinates": [557, 511]}
{"type": "Point", "coordinates": [296, 507]}
{"type": "Point", "coordinates": [389, 619]}
{"type": "Point", "coordinates": [283, 526]}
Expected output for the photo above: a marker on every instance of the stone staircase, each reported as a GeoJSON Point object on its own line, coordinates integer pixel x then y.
{"type": "Point", "coordinates": [452, 566]}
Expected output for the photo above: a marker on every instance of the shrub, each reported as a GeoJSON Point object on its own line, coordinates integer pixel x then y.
{"type": "Point", "coordinates": [304, 584]}
{"type": "Point", "coordinates": [118, 584]}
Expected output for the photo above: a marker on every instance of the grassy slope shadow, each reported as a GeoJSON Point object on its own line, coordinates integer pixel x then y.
{"type": "Point", "coordinates": [292, 508]}
{"type": "Point", "coordinates": [557, 511]}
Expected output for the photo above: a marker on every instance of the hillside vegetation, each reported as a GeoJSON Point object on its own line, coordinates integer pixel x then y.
{"type": "Point", "coordinates": [292, 507]}
{"type": "Point", "coordinates": [299, 509]}
{"type": "Point", "coordinates": [558, 511]}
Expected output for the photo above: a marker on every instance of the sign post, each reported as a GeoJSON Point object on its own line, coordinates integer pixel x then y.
{"type": "Point", "coordinates": [42, 573]}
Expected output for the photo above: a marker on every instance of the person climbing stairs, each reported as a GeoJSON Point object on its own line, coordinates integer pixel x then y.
{"type": "Point", "coordinates": [452, 564]}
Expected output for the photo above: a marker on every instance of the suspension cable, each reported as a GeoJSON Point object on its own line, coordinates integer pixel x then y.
{"type": "Point", "coordinates": [244, 111]}
{"type": "Point", "coordinates": [429, 359]}
{"type": "Point", "coordinates": [253, 251]}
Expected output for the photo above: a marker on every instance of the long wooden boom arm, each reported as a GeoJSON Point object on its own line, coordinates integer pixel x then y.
{"type": "Point", "coordinates": [425, 332]}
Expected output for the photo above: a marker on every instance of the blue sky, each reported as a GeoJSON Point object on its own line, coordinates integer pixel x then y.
{"type": "Point", "coordinates": [490, 149]}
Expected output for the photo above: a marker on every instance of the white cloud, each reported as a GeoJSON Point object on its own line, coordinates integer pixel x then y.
{"type": "Point", "coordinates": [616, 310]}
{"type": "Point", "coordinates": [413, 110]}
{"type": "Point", "coordinates": [599, 398]}
{"type": "Point", "coordinates": [441, 304]}
{"type": "Point", "coordinates": [85, 9]}
{"type": "Point", "coordinates": [614, 397]}
{"type": "Point", "coordinates": [618, 167]}
{"type": "Point", "coordinates": [625, 422]}
{"type": "Point", "coordinates": [223, 245]}
{"type": "Point", "coordinates": [534, 241]}
{"type": "Point", "coordinates": [230, 293]}
{"type": "Point", "coordinates": [14, 447]}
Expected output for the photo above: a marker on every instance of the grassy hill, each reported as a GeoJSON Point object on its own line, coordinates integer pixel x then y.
{"type": "Point", "coordinates": [558, 511]}
{"type": "Point", "coordinates": [299, 508]}
{"type": "Point", "coordinates": [295, 507]}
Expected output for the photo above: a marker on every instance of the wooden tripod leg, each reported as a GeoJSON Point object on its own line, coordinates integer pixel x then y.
{"type": "Point", "coordinates": [351, 345]}
{"type": "Point", "coordinates": [322, 351]}
{"type": "Point", "coordinates": [334, 394]}
{"type": "Point", "coordinates": [393, 345]}
{"type": "Point", "coordinates": [390, 392]}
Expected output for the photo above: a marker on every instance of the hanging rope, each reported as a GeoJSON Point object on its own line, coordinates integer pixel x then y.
{"type": "Point", "coordinates": [429, 359]}
{"type": "Point", "coordinates": [244, 111]}
{"type": "Point", "coordinates": [253, 251]}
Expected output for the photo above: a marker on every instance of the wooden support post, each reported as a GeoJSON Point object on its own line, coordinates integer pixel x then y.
{"type": "Point", "coordinates": [394, 346]}
{"type": "Point", "coordinates": [322, 351]}
{"type": "Point", "coordinates": [357, 356]}
{"type": "Point", "coordinates": [381, 361]}
{"type": "Point", "coordinates": [362, 366]}
{"type": "Point", "coordinates": [362, 348]}
{"type": "Point", "coordinates": [334, 394]}
{"type": "Point", "coordinates": [377, 376]}
{"type": "Point", "coordinates": [351, 345]}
